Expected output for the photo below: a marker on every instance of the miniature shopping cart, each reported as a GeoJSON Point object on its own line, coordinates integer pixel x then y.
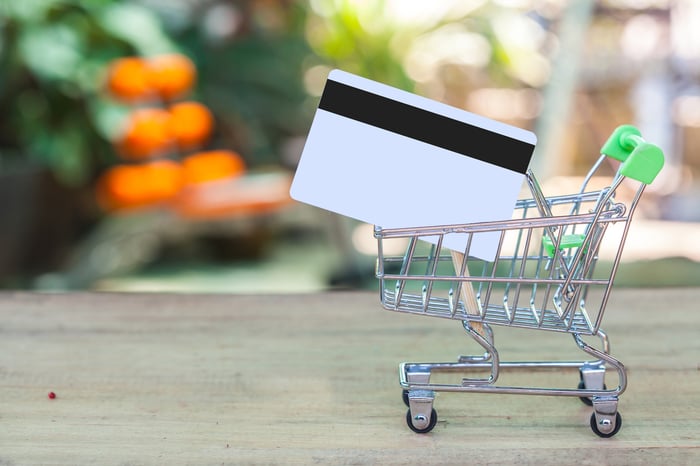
{"type": "Point", "coordinates": [546, 275]}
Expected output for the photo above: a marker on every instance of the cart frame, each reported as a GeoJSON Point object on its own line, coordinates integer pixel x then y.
{"type": "Point", "coordinates": [552, 270]}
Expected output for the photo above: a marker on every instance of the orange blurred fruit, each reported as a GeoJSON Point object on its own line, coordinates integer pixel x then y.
{"type": "Point", "coordinates": [171, 75]}
{"type": "Point", "coordinates": [129, 79]}
{"type": "Point", "coordinates": [212, 165]}
{"type": "Point", "coordinates": [132, 186]}
{"type": "Point", "coordinates": [191, 124]}
{"type": "Point", "coordinates": [165, 179]}
{"type": "Point", "coordinates": [146, 134]}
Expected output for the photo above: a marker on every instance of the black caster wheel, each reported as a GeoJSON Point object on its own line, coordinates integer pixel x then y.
{"type": "Point", "coordinates": [404, 396]}
{"type": "Point", "coordinates": [424, 430]}
{"type": "Point", "coordinates": [618, 425]}
{"type": "Point", "coordinates": [587, 399]}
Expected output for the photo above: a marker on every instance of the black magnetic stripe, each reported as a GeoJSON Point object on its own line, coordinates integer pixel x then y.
{"type": "Point", "coordinates": [425, 126]}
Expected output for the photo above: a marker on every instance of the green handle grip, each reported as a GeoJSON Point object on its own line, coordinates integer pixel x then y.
{"type": "Point", "coordinates": [621, 142]}
{"type": "Point", "coordinates": [641, 160]}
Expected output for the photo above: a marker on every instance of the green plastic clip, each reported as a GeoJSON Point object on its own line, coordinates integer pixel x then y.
{"type": "Point", "coordinates": [620, 144]}
{"type": "Point", "coordinates": [641, 160]}
{"type": "Point", "coordinates": [644, 163]}
{"type": "Point", "coordinates": [567, 242]}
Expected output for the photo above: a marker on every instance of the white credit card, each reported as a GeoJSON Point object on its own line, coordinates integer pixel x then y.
{"type": "Point", "coordinates": [395, 159]}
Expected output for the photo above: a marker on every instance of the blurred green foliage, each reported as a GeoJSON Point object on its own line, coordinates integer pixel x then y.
{"type": "Point", "coordinates": [361, 39]}
{"type": "Point", "coordinates": [53, 54]}
{"type": "Point", "coordinates": [255, 60]}
{"type": "Point", "coordinates": [249, 55]}
{"type": "Point", "coordinates": [452, 40]}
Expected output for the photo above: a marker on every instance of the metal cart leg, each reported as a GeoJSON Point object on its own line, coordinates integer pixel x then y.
{"type": "Point", "coordinates": [592, 378]}
{"type": "Point", "coordinates": [490, 357]}
{"type": "Point", "coordinates": [488, 337]}
{"type": "Point", "coordinates": [604, 358]}
{"type": "Point", "coordinates": [421, 417]}
{"type": "Point", "coordinates": [592, 373]}
{"type": "Point", "coordinates": [605, 420]}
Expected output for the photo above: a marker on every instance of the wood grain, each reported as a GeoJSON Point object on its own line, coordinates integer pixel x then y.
{"type": "Point", "coordinates": [304, 379]}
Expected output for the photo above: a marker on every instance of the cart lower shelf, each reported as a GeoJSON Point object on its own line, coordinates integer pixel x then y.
{"type": "Point", "coordinates": [419, 391]}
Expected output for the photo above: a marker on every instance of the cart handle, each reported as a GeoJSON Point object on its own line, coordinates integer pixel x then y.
{"type": "Point", "coordinates": [621, 142]}
{"type": "Point", "coordinates": [641, 160]}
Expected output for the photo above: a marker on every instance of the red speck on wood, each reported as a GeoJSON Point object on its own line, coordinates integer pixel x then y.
{"type": "Point", "coordinates": [52, 395]}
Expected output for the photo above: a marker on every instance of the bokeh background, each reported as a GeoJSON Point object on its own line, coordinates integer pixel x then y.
{"type": "Point", "coordinates": [570, 71]}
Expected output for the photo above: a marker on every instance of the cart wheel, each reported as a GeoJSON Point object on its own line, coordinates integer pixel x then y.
{"type": "Point", "coordinates": [587, 399]}
{"type": "Point", "coordinates": [425, 430]}
{"type": "Point", "coordinates": [404, 396]}
{"type": "Point", "coordinates": [618, 425]}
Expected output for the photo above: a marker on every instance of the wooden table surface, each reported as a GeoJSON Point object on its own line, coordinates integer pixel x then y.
{"type": "Point", "coordinates": [313, 379]}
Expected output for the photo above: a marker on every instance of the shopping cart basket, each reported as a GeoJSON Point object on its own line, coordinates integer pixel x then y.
{"type": "Point", "coordinates": [545, 276]}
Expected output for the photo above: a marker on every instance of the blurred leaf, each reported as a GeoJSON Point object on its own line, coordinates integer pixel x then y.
{"type": "Point", "coordinates": [32, 105]}
{"type": "Point", "coordinates": [89, 75]}
{"type": "Point", "coordinates": [137, 26]}
{"type": "Point", "coordinates": [64, 150]}
{"type": "Point", "coordinates": [359, 45]}
{"type": "Point", "coordinates": [70, 155]}
{"type": "Point", "coordinates": [51, 52]}
{"type": "Point", "coordinates": [26, 10]}
{"type": "Point", "coordinates": [53, 56]}
{"type": "Point", "coordinates": [108, 116]}
{"type": "Point", "coordinates": [260, 92]}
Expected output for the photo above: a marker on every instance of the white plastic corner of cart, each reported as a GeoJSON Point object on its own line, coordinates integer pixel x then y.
{"type": "Point", "coordinates": [395, 159]}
